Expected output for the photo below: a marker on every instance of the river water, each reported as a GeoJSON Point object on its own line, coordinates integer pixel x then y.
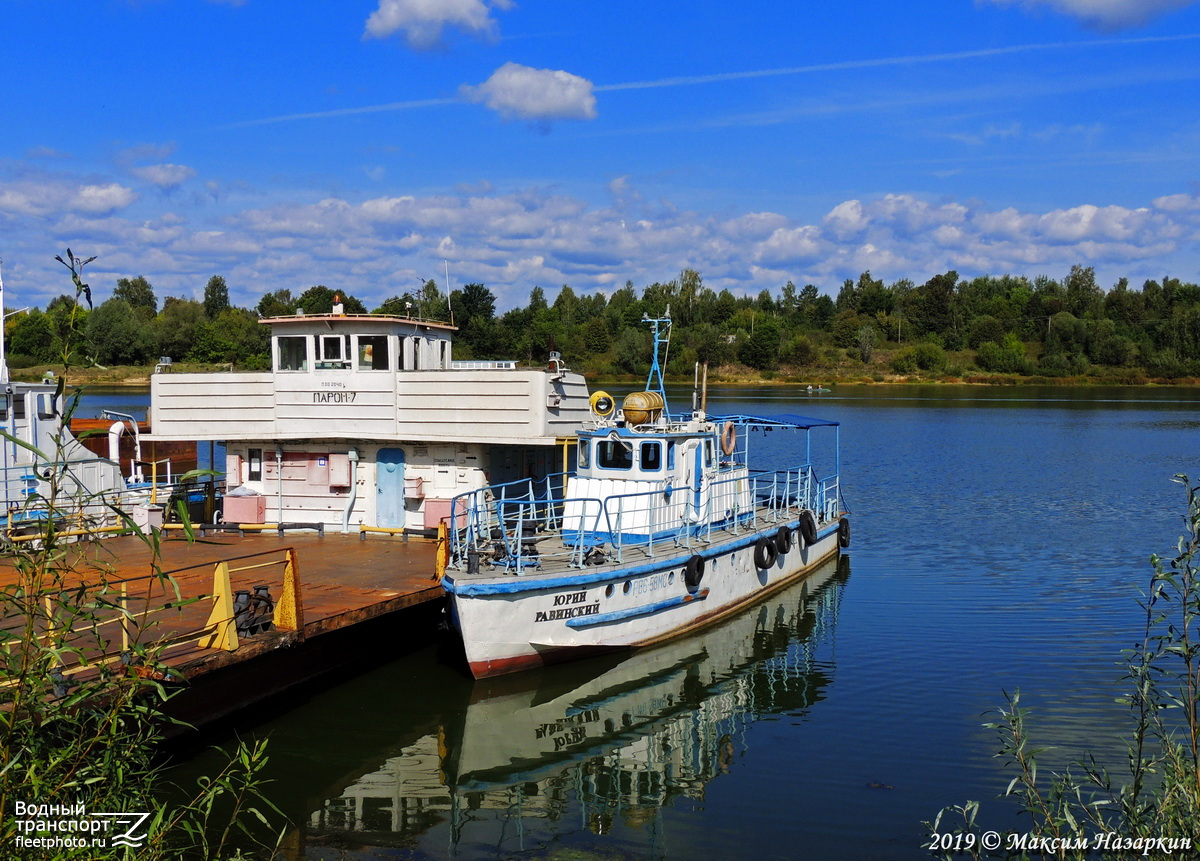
{"type": "Point", "coordinates": [1000, 537]}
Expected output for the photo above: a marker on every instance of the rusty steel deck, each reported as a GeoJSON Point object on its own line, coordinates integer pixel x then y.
{"type": "Point", "coordinates": [340, 581]}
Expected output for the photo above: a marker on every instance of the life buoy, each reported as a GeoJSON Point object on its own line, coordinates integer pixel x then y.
{"type": "Point", "coordinates": [728, 438]}
{"type": "Point", "coordinates": [765, 552]}
{"type": "Point", "coordinates": [693, 572]}
{"type": "Point", "coordinates": [844, 533]}
{"type": "Point", "coordinates": [808, 527]}
{"type": "Point", "coordinates": [783, 540]}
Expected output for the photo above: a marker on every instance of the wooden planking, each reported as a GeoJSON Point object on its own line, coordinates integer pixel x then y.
{"type": "Point", "coordinates": [344, 581]}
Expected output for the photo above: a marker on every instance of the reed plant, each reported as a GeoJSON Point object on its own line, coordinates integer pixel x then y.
{"type": "Point", "coordinates": [82, 686]}
{"type": "Point", "coordinates": [1150, 806]}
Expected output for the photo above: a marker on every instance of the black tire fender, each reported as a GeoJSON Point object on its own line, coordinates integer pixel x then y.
{"type": "Point", "coordinates": [693, 572]}
{"type": "Point", "coordinates": [808, 527]}
{"type": "Point", "coordinates": [844, 533]}
{"type": "Point", "coordinates": [783, 540]}
{"type": "Point", "coordinates": [765, 552]}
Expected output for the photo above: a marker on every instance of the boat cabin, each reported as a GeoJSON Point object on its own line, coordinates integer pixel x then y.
{"type": "Point", "coordinates": [33, 414]}
{"type": "Point", "coordinates": [650, 478]}
{"type": "Point", "coordinates": [367, 421]}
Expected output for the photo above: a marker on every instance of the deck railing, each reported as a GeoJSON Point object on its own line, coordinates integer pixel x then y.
{"type": "Point", "coordinates": [509, 526]}
{"type": "Point", "coordinates": [85, 513]}
{"type": "Point", "coordinates": [113, 617]}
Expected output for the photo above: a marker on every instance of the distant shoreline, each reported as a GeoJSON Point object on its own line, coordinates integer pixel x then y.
{"type": "Point", "coordinates": [139, 377]}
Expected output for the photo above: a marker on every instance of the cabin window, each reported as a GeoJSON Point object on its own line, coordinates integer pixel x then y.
{"type": "Point", "coordinates": [45, 406]}
{"type": "Point", "coordinates": [254, 473]}
{"type": "Point", "coordinates": [373, 353]}
{"type": "Point", "coordinates": [18, 407]}
{"type": "Point", "coordinates": [612, 454]}
{"type": "Point", "coordinates": [651, 457]}
{"type": "Point", "coordinates": [671, 455]}
{"type": "Point", "coordinates": [3, 408]}
{"type": "Point", "coordinates": [293, 353]}
{"type": "Point", "coordinates": [335, 352]}
{"type": "Point", "coordinates": [584, 454]}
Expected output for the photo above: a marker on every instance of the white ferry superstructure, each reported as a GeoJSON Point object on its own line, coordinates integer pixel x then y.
{"type": "Point", "coordinates": [366, 421]}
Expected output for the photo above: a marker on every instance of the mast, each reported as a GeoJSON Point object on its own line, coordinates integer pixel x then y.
{"type": "Point", "coordinates": [3, 354]}
{"type": "Point", "coordinates": [661, 327]}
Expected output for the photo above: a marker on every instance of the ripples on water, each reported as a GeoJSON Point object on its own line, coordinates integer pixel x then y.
{"type": "Point", "coordinates": [1000, 539]}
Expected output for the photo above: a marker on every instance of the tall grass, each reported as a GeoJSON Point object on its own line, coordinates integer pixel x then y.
{"type": "Point", "coordinates": [80, 732]}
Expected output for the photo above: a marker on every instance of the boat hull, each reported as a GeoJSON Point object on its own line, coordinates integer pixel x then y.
{"type": "Point", "coordinates": [511, 623]}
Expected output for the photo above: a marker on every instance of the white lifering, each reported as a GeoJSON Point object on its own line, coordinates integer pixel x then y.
{"type": "Point", "coordinates": [728, 438]}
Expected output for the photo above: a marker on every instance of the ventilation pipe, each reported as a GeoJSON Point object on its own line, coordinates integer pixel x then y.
{"type": "Point", "coordinates": [114, 440]}
{"type": "Point", "coordinates": [135, 469]}
{"type": "Point", "coordinates": [353, 455]}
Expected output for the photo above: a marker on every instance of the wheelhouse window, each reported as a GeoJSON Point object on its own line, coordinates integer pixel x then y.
{"type": "Point", "coordinates": [46, 405]}
{"type": "Point", "coordinates": [293, 353]}
{"type": "Point", "coordinates": [651, 456]}
{"type": "Point", "coordinates": [335, 352]}
{"type": "Point", "coordinates": [584, 454]}
{"type": "Point", "coordinates": [613, 454]}
{"type": "Point", "coordinates": [373, 353]}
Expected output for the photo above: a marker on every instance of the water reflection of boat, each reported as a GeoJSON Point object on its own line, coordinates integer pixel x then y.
{"type": "Point", "coordinates": [638, 732]}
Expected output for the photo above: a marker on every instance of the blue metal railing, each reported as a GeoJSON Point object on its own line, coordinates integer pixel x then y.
{"type": "Point", "coordinates": [508, 524]}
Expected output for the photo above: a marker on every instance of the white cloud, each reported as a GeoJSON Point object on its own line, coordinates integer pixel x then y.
{"type": "Point", "coordinates": [514, 239]}
{"type": "Point", "coordinates": [522, 92]}
{"type": "Point", "coordinates": [422, 21]}
{"type": "Point", "coordinates": [846, 219]}
{"type": "Point", "coordinates": [166, 176]}
{"type": "Point", "coordinates": [1106, 14]}
{"type": "Point", "coordinates": [50, 196]}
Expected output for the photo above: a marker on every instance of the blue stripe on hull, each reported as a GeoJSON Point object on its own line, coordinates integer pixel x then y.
{"type": "Point", "coordinates": [635, 612]}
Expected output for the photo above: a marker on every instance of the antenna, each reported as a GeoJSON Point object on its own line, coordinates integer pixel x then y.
{"type": "Point", "coordinates": [3, 354]}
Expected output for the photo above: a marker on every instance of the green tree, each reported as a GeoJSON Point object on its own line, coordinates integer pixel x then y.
{"type": "Point", "coordinates": [138, 293]}
{"type": "Point", "coordinates": [1084, 298]}
{"type": "Point", "coordinates": [235, 336]}
{"type": "Point", "coordinates": [216, 297]}
{"type": "Point", "coordinates": [33, 335]}
{"type": "Point", "coordinates": [597, 338]}
{"type": "Point", "coordinates": [118, 334]}
{"type": "Point", "coordinates": [176, 327]}
{"type": "Point", "coordinates": [277, 304]}
{"type": "Point", "coordinates": [320, 300]}
{"type": "Point", "coordinates": [866, 340]}
{"type": "Point", "coordinates": [761, 350]}
{"type": "Point", "coordinates": [473, 300]}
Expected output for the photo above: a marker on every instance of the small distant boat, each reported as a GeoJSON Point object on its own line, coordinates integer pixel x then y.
{"type": "Point", "coordinates": [662, 528]}
{"type": "Point", "coordinates": [818, 390]}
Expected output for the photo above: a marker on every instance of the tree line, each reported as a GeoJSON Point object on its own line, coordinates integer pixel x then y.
{"type": "Point", "coordinates": [948, 326]}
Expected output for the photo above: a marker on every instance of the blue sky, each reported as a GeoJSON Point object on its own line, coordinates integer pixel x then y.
{"type": "Point", "coordinates": [370, 144]}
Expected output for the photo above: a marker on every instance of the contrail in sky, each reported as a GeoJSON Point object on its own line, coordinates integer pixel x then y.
{"type": "Point", "coordinates": [695, 80]}
{"type": "Point", "coordinates": [345, 112]}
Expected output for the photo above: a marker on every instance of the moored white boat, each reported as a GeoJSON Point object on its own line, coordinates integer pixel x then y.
{"type": "Point", "coordinates": [662, 528]}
